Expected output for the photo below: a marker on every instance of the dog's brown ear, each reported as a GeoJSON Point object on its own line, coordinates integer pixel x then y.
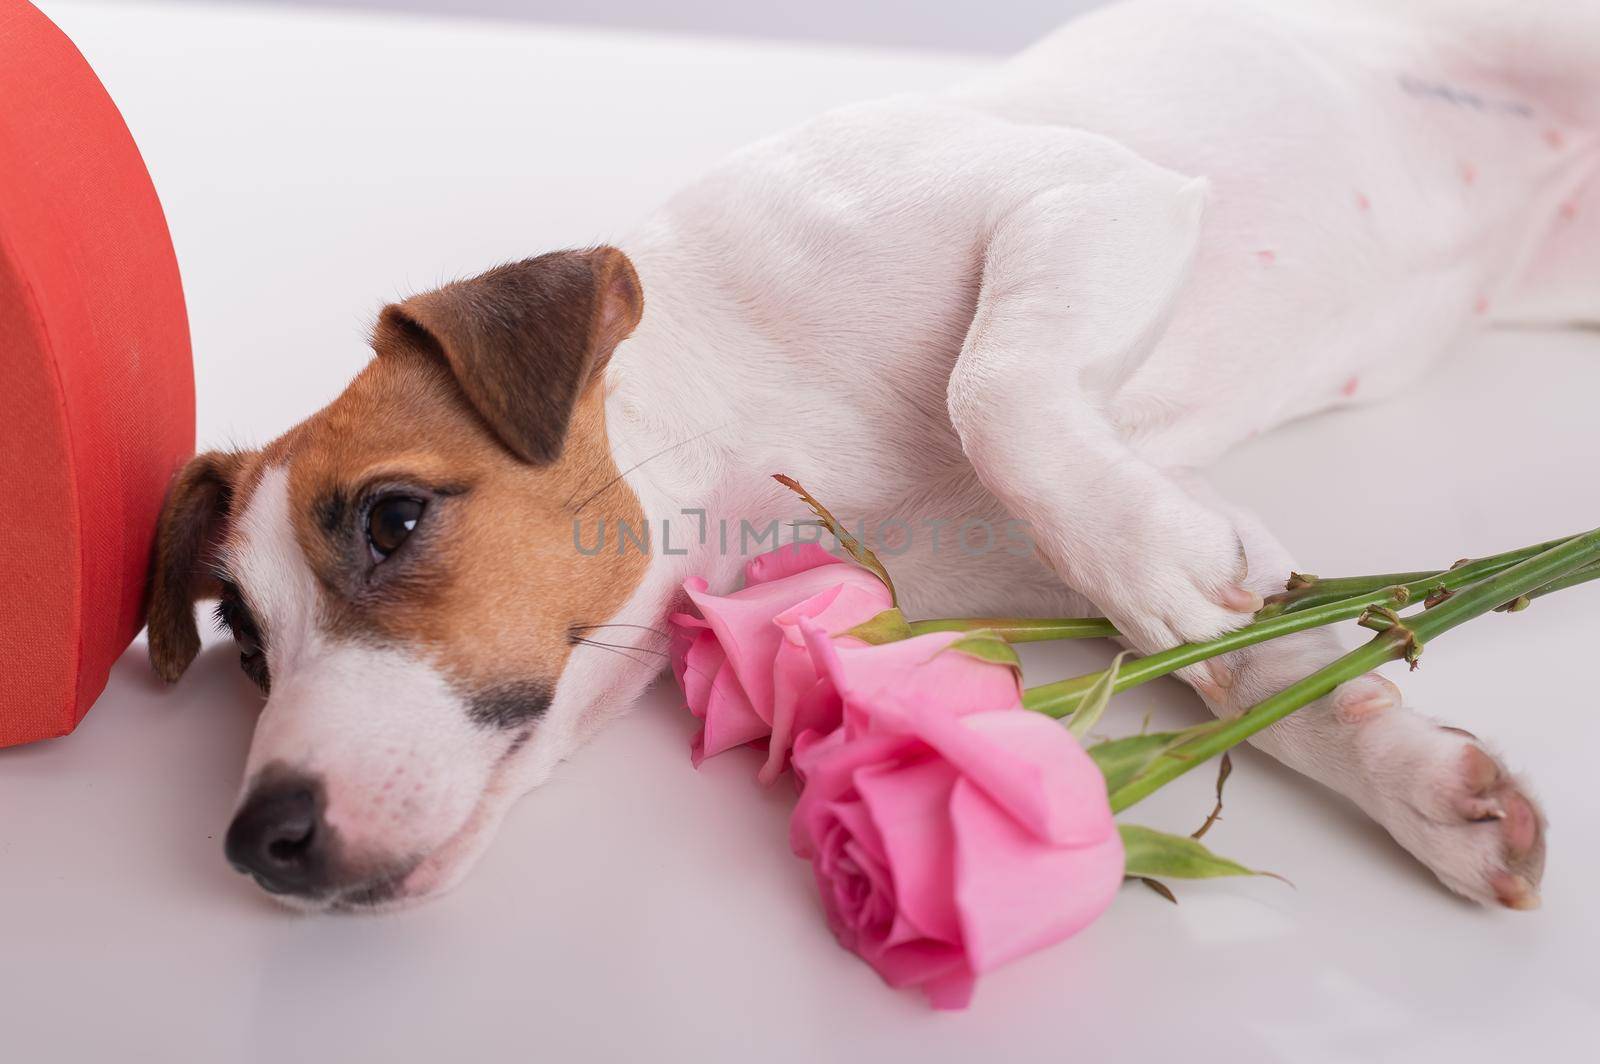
{"type": "Point", "coordinates": [180, 572]}
{"type": "Point", "coordinates": [525, 339]}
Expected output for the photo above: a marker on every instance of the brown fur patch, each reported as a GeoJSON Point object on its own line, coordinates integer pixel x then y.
{"type": "Point", "coordinates": [486, 403]}
{"type": "Point", "coordinates": [491, 582]}
{"type": "Point", "coordinates": [190, 527]}
{"type": "Point", "coordinates": [524, 339]}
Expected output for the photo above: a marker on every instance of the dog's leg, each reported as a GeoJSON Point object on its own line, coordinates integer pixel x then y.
{"type": "Point", "coordinates": [1077, 287]}
{"type": "Point", "coordinates": [1435, 788]}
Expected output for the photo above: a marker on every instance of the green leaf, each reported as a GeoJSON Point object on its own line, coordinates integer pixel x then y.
{"type": "Point", "coordinates": [887, 627]}
{"type": "Point", "coordinates": [1120, 760]}
{"type": "Point", "coordinates": [1155, 853]}
{"type": "Point", "coordinates": [1095, 699]}
{"type": "Point", "coordinates": [851, 544]}
{"type": "Point", "coordinates": [986, 645]}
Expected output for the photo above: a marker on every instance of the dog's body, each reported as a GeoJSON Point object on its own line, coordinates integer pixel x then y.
{"type": "Point", "coordinates": [1041, 297]}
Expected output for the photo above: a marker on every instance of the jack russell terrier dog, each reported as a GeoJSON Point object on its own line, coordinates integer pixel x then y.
{"type": "Point", "coordinates": [1044, 296]}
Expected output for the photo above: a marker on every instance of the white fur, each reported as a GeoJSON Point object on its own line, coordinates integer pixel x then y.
{"type": "Point", "coordinates": [1048, 293]}
{"type": "Point", "coordinates": [1045, 295]}
{"type": "Point", "coordinates": [402, 765]}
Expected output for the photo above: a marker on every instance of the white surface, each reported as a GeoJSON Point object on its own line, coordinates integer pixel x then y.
{"type": "Point", "coordinates": [635, 909]}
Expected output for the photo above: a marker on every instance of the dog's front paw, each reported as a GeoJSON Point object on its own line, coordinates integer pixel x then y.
{"type": "Point", "coordinates": [1174, 575]}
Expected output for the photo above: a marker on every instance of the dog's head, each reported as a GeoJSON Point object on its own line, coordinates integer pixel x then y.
{"type": "Point", "coordinates": [403, 579]}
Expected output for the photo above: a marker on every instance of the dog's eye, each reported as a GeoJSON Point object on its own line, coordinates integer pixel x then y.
{"type": "Point", "coordinates": [236, 617]}
{"type": "Point", "coordinates": [253, 660]}
{"type": "Point", "coordinates": [390, 521]}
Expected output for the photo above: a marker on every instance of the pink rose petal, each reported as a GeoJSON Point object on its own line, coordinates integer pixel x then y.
{"type": "Point", "coordinates": [1031, 766]}
{"type": "Point", "coordinates": [987, 832]}
{"type": "Point", "coordinates": [736, 665]}
{"type": "Point", "coordinates": [786, 561]}
{"type": "Point", "coordinates": [1015, 895]}
{"type": "Point", "coordinates": [1074, 804]}
{"type": "Point", "coordinates": [910, 810]}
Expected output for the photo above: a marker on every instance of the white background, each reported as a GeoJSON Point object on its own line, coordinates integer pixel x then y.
{"type": "Point", "coordinates": [313, 167]}
{"type": "Point", "coordinates": [951, 25]}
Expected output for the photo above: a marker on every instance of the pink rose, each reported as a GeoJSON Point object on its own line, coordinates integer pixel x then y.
{"type": "Point", "coordinates": [742, 663]}
{"type": "Point", "coordinates": [950, 830]}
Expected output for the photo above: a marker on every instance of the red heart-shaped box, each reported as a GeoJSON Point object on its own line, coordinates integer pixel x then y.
{"type": "Point", "coordinates": [96, 379]}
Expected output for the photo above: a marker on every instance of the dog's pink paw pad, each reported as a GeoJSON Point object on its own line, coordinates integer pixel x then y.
{"type": "Point", "coordinates": [1241, 599]}
{"type": "Point", "coordinates": [1521, 828]}
{"type": "Point", "coordinates": [1364, 698]}
{"type": "Point", "coordinates": [1479, 810]}
{"type": "Point", "coordinates": [1479, 770]}
{"type": "Point", "coordinates": [1490, 800]}
{"type": "Point", "coordinates": [1514, 892]}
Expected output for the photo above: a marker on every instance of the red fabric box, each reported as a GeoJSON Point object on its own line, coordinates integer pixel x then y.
{"type": "Point", "coordinates": [96, 381]}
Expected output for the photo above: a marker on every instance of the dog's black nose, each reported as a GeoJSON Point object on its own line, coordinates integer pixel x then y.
{"type": "Point", "coordinates": [279, 838]}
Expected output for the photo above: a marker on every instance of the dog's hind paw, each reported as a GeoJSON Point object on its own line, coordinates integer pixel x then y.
{"type": "Point", "coordinates": [1474, 825]}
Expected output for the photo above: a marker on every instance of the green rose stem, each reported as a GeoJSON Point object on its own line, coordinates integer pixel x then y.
{"type": "Point", "coordinates": [1304, 593]}
{"type": "Point", "coordinates": [1296, 611]}
{"type": "Point", "coordinates": [1572, 579]}
{"type": "Point", "coordinates": [1397, 638]}
{"type": "Point", "coordinates": [1022, 629]}
{"type": "Point", "coordinates": [1062, 698]}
